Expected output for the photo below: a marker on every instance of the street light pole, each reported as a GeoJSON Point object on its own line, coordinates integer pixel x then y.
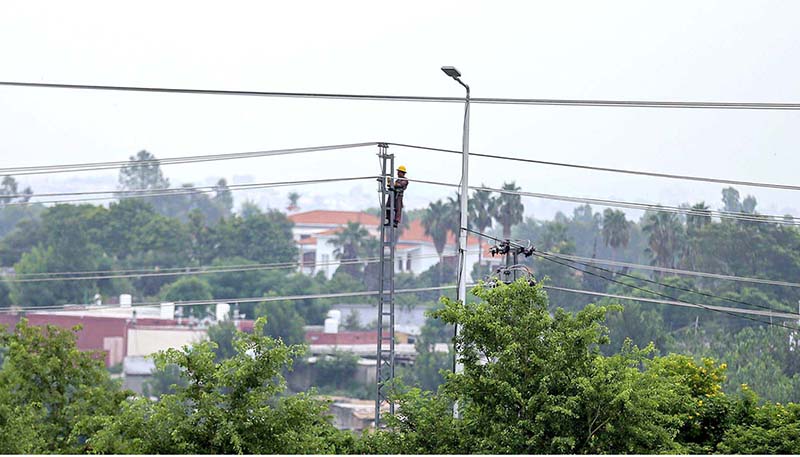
{"type": "Point", "coordinates": [462, 233]}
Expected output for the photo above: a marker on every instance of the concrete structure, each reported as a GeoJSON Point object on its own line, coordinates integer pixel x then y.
{"type": "Point", "coordinates": [352, 414]}
{"type": "Point", "coordinates": [147, 340]}
{"type": "Point", "coordinates": [119, 332]}
{"type": "Point", "coordinates": [314, 230]}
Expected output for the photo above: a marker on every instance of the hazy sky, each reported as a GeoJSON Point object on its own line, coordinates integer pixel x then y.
{"type": "Point", "coordinates": [678, 50]}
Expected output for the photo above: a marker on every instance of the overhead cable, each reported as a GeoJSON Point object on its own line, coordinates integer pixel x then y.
{"type": "Point", "coordinates": [177, 191]}
{"type": "Point", "coordinates": [723, 310]}
{"type": "Point", "coordinates": [677, 271]}
{"type": "Point", "coordinates": [671, 286]}
{"type": "Point", "coordinates": [780, 315]}
{"type": "Point", "coordinates": [760, 218]}
{"type": "Point", "coordinates": [633, 286]}
{"type": "Point", "coordinates": [419, 98]}
{"type": "Point", "coordinates": [612, 170]}
{"type": "Point", "coordinates": [92, 166]}
{"type": "Point", "coordinates": [221, 300]}
{"type": "Point", "coordinates": [400, 291]}
{"type": "Point", "coordinates": [188, 271]}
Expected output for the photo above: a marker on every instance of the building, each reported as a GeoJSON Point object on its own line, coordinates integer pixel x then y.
{"type": "Point", "coordinates": [120, 332]}
{"type": "Point", "coordinates": [415, 252]}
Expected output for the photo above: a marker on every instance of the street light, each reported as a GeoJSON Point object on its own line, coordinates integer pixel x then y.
{"type": "Point", "coordinates": [462, 233]}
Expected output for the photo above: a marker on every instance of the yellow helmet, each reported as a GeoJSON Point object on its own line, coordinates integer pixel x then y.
{"type": "Point", "coordinates": [401, 168]}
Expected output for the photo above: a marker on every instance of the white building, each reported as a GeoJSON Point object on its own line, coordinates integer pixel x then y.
{"type": "Point", "coordinates": [415, 252]}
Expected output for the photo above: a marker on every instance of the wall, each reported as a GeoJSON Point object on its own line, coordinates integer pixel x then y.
{"type": "Point", "coordinates": [145, 341]}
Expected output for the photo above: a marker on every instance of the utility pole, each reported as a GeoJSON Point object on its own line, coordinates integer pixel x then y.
{"type": "Point", "coordinates": [462, 232]}
{"type": "Point", "coordinates": [511, 250]}
{"type": "Point", "coordinates": [385, 363]}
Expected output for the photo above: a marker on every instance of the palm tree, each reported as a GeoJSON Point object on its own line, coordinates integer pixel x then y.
{"type": "Point", "coordinates": [480, 215]}
{"type": "Point", "coordinates": [700, 217]}
{"type": "Point", "coordinates": [293, 198]}
{"type": "Point", "coordinates": [350, 242]}
{"type": "Point", "coordinates": [453, 215]}
{"type": "Point", "coordinates": [616, 230]}
{"type": "Point", "coordinates": [664, 230]}
{"type": "Point", "coordinates": [436, 224]}
{"type": "Point", "coordinates": [508, 208]}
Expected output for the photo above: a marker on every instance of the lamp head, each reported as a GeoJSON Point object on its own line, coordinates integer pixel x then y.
{"type": "Point", "coordinates": [451, 72]}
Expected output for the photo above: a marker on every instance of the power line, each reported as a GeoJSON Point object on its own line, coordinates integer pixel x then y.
{"type": "Point", "coordinates": [225, 300]}
{"type": "Point", "coordinates": [719, 309]}
{"type": "Point", "coordinates": [92, 166]}
{"type": "Point", "coordinates": [638, 266]}
{"type": "Point", "coordinates": [612, 170]}
{"type": "Point", "coordinates": [680, 303]}
{"type": "Point", "coordinates": [760, 218]}
{"type": "Point", "coordinates": [402, 291]}
{"type": "Point", "coordinates": [683, 289]}
{"type": "Point", "coordinates": [435, 99]}
{"type": "Point", "coordinates": [177, 191]}
{"type": "Point", "coordinates": [184, 271]}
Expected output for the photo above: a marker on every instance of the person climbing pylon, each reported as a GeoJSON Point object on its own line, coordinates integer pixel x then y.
{"type": "Point", "coordinates": [396, 188]}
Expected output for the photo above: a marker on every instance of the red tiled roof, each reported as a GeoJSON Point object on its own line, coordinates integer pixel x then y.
{"type": "Point", "coordinates": [309, 240]}
{"type": "Point", "coordinates": [334, 217]}
{"type": "Point", "coordinates": [416, 232]}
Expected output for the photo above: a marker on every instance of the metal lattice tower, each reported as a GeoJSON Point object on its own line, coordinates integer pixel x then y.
{"type": "Point", "coordinates": [384, 375]}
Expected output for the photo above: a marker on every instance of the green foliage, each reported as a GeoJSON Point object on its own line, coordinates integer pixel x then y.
{"type": "Point", "coordinates": [49, 391]}
{"type": "Point", "coordinates": [533, 383]}
{"type": "Point", "coordinates": [508, 208]}
{"type": "Point", "coordinates": [336, 370]}
{"type": "Point", "coordinates": [229, 407]}
{"type": "Point", "coordinates": [283, 321]}
{"type": "Point", "coordinates": [260, 237]}
{"type": "Point", "coordinates": [435, 222]}
{"type": "Point", "coordinates": [350, 244]}
{"type": "Point", "coordinates": [163, 381]}
{"type": "Point", "coordinates": [188, 288]}
{"type": "Point", "coordinates": [767, 429]}
{"type": "Point", "coordinates": [223, 335]}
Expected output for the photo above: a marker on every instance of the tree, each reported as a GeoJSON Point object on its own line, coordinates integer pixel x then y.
{"type": "Point", "coordinates": [293, 197]}
{"type": "Point", "coordinates": [664, 231]}
{"type": "Point", "coordinates": [234, 406]}
{"type": "Point", "coordinates": [349, 243]}
{"type": "Point", "coordinates": [143, 172]}
{"type": "Point", "coordinates": [188, 288]}
{"type": "Point", "coordinates": [49, 391]}
{"type": "Point", "coordinates": [222, 334]}
{"type": "Point", "coordinates": [69, 234]}
{"type": "Point", "coordinates": [700, 218]}
{"type": "Point", "coordinates": [223, 199]}
{"type": "Point", "coordinates": [480, 215]}
{"type": "Point", "coordinates": [9, 192]}
{"type": "Point", "coordinates": [436, 226]}
{"type": "Point", "coordinates": [535, 382]}
{"type": "Point", "coordinates": [257, 236]}
{"type": "Point", "coordinates": [508, 208]}
{"type": "Point", "coordinates": [453, 215]}
{"type": "Point", "coordinates": [283, 321]}
{"type": "Point", "coordinates": [730, 198]}
{"type": "Point", "coordinates": [616, 230]}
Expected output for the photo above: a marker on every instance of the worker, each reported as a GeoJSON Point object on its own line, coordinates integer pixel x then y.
{"type": "Point", "coordinates": [397, 188]}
